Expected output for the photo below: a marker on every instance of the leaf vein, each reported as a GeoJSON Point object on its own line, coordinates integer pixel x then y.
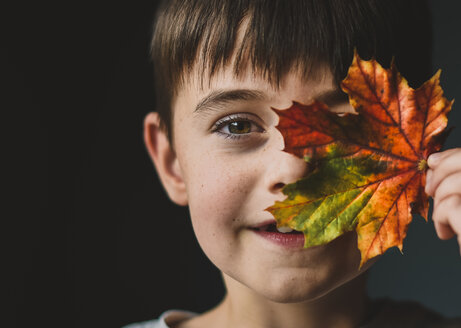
{"type": "Point", "coordinates": [426, 115]}
{"type": "Point", "coordinates": [356, 187]}
{"type": "Point", "coordinates": [387, 214]}
{"type": "Point", "coordinates": [385, 109]}
{"type": "Point", "coordinates": [347, 206]}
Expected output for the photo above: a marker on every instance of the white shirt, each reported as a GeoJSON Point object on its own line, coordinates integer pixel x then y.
{"type": "Point", "coordinates": [168, 318]}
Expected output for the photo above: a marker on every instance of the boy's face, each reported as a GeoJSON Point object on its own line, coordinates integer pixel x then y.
{"type": "Point", "coordinates": [233, 171]}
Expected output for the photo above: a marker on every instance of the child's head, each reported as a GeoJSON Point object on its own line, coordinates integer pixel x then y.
{"type": "Point", "coordinates": [220, 66]}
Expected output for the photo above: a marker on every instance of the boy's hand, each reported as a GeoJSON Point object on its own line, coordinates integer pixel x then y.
{"type": "Point", "coordinates": [443, 183]}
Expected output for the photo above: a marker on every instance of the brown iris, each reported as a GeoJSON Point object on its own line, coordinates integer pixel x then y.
{"type": "Point", "coordinates": [240, 127]}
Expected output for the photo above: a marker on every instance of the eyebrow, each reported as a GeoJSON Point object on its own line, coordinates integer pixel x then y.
{"type": "Point", "coordinates": [221, 97]}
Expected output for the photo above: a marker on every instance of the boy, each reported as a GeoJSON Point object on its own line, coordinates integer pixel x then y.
{"type": "Point", "coordinates": [219, 68]}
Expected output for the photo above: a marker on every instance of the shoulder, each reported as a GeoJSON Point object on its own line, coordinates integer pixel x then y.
{"type": "Point", "coordinates": [168, 319]}
{"type": "Point", "coordinates": [391, 313]}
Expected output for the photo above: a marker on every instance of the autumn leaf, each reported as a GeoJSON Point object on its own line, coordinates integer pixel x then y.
{"type": "Point", "coordinates": [369, 168]}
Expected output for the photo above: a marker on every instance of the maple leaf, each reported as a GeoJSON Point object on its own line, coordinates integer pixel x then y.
{"type": "Point", "coordinates": [369, 166]}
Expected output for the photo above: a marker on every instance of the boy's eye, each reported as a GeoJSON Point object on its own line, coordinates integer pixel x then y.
{"type": "Point", "coordinates": [239, 127]}
{"type": "Point", "coordinates": [236, 127]}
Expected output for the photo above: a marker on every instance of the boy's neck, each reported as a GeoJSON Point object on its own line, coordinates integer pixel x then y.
{"type": "Point", "coordinates": [345, 306]}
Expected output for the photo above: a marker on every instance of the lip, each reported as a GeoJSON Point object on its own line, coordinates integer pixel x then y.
{"type": "Point", "coordinates": [288, 240]}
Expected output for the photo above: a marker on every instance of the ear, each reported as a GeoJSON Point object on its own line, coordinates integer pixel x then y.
{"type": "Point", "coordinates": [165, 159]}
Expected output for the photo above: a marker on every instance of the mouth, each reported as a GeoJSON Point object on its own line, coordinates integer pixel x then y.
{"type": "Point", "coordinates": [282, 236]}
{"type": "Point", "coordinates": [272, 227]}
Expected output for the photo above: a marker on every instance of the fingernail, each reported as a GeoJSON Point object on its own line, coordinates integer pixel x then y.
{"type": "Point", "coordinates": [433, 159]}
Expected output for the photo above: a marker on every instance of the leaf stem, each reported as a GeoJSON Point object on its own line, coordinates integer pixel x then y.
{"type": "Point", "coordinates": [422, 165]}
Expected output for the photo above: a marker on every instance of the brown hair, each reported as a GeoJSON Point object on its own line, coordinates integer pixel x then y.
{"type": "Point", "coordinates": [282, 34]}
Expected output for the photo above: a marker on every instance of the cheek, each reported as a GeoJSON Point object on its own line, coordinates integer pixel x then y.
{"type": "Point", "coordinates": [217, 192]}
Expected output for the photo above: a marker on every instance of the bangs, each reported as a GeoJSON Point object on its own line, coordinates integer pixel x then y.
{"type": "Point", "coordinates": [278, 36]}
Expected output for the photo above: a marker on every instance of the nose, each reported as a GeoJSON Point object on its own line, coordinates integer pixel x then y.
{"type": "Point", "coordinates": [284, 168]}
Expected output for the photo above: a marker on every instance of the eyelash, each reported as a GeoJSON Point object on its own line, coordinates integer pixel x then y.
{"type": "Point", "coordinates": [227, 120]}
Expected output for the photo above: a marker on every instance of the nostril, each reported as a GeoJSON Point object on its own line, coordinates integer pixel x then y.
{"type": "Point", "coordinates": [279, 185]}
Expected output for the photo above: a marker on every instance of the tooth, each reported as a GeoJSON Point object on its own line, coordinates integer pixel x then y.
{"type": "Point", "coordinates": [284, 229]}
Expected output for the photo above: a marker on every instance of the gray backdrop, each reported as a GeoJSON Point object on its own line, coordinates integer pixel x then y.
{"type": "Point", "coordinates": [430, 269]}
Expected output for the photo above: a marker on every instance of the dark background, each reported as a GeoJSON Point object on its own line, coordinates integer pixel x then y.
{"type": "Point", "coordinates": [87, 234]}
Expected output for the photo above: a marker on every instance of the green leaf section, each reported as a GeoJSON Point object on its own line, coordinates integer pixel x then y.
{"type": "Point", "coordinates": [327, 202]}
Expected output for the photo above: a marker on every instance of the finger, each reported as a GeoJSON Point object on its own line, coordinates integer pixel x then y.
{"type": "Point", "coordinates": [445, 164]}
{"type": "Point", "coordinates": [444, 231]}
{"type": "Point", "coordinates": [449, 186]}
{"type": "Point", "coordinates": [428, 188]}
{"type": "Point", "coordinates": [434, 159]}
{"type": "Point", "coordinates": [447, 216]}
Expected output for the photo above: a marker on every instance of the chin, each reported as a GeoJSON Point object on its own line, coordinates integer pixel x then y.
{"type": "Point", "coordinates": [294, 290]}
{"type": "Point", "coordinates": [296, 286]}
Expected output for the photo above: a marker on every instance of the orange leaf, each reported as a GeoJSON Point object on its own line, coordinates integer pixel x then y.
{"type": "Point", "coordinates": [371, 166]}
